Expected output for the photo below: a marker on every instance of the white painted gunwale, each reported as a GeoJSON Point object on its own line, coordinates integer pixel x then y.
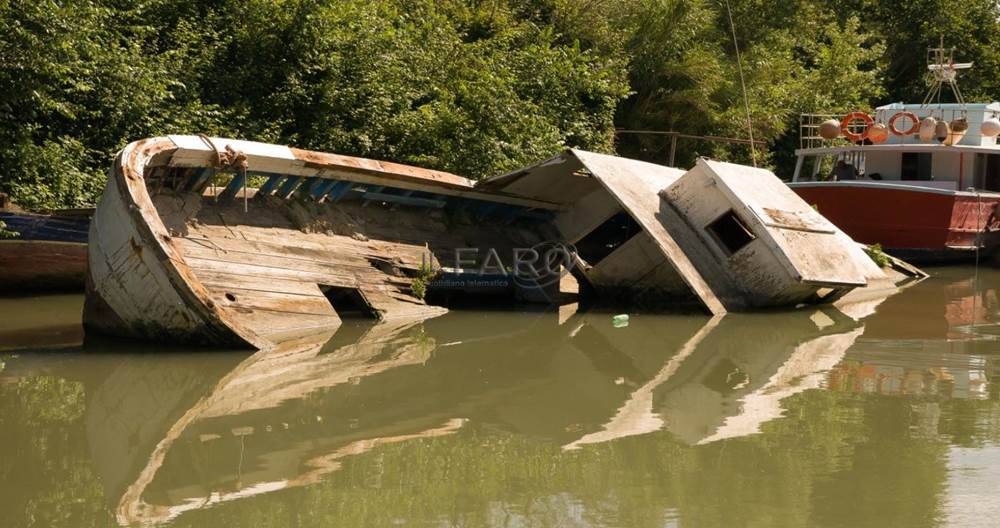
{"type": "Point", "coordinates": [193, 151]}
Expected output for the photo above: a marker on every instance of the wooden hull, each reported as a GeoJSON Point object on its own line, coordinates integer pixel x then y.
{"type": "Point", "coordinates": [918, 224]}
{"type": "Point", "coordinates": [138, 284]}
{"type": "Point", "coordinates": [171, 259]}
{"type": "Point", "coordinates": [49, 251]}
{"type": "Point", "coordinates": [39, 265]}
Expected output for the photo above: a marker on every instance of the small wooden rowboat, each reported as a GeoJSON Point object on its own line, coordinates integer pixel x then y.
{"type": "Point", "coordinates": [230, 242]}
{"type": "Point", "coordinates": [47, 251]}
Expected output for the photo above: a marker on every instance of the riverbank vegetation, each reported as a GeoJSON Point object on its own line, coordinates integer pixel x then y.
{"type": "Point", "coordinates": [473, 87]}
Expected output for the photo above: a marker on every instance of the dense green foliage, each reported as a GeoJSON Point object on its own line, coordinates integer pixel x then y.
{"type": "Point", "coordinates": [473, 87]}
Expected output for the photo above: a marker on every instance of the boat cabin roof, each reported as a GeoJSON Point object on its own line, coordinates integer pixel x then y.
{"type": "Point", "coordinates": [906, 147]}
{"type": "Point", "coordinates": [971, 107]}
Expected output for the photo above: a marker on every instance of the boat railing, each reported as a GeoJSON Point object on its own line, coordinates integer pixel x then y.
{"type": "Point", "coordinates": [222, 185]}
{"type": "Point", "coordinates": [809, 123]}
{"type": "Point", "coordinates": [809, 136]}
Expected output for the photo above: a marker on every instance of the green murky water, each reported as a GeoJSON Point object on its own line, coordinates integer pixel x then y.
{"type": "Point", "coordinates": [884, 416]}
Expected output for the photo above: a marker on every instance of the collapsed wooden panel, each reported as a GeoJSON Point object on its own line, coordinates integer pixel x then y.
{"type": "Point", "coordinates": [635, 185]}
{"type": "Point", "coordinates": [268, 265]}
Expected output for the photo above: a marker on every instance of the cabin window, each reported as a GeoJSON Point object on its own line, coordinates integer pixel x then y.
{"type": "Point", "coordinates": [349, 303]}
{"type": "Point", "coordinates": [607, 237]}
{"type": "Point", "coordinates": [916, 166]}
{"type": "Point", "coordinates": [730, 232]}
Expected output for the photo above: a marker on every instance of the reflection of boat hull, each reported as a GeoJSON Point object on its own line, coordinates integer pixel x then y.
{"type": "Point", "coordinates": [915, 223]}
{"type": "Point", "coordinates": [49, 252]}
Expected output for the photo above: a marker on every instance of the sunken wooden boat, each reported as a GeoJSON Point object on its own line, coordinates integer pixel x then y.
{"type": "Point", "coordinates": [183, 250]}
{"type": "Point", "coordinates": [45, 250]}
{"type": "Point", "coordinates": [228, 242]}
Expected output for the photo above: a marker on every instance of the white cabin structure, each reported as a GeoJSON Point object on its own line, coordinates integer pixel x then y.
{"type": "Point", "coordinates": [972, 162]}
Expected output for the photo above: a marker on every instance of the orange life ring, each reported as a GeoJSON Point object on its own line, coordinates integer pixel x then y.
{"type": "Point", "coordinates": [846, 122]}
{"type": "Point", "coordinates": [909, 115]}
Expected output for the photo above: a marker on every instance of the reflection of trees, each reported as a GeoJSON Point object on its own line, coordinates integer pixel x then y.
{"type": "Point", "coordinates": [46, 476]}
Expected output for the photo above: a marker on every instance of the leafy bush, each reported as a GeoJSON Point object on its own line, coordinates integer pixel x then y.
{"type": "Point", "coordinates": [875, 252]}
{"type": "Point", "coordinates": [6, 233]}
{"type": "Point", "coordinates": [469, 89]}
{"type": "Point", "coordinates": [477, 88]}
{"type": "Point", "coordinates": [423, 279]}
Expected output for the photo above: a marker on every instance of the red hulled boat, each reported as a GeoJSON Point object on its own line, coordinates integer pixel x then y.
{"type": "Point", "coordinates": [922, 180]}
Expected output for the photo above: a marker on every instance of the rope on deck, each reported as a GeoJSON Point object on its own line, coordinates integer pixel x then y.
{"type": "Point", "coordinates": [229, 159]}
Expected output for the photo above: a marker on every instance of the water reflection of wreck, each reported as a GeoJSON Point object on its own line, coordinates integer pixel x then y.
{"type": "Point", "coordinates": [718, 386]}
{"type": "Point", "coordinates": [288, 416]}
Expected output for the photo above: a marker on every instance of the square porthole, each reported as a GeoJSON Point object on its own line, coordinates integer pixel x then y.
{"type": "Point", "coordinates": [730, 233]}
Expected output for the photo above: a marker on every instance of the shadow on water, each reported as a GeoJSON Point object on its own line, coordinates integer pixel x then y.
{"type": "Point", "coordinates": [486, 416]}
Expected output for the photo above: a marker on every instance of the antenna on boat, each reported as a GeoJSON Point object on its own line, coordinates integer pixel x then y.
{"type": "Point", "coordinates": [943, 70]}
{"type": "Point", "coordinates": [743, 84]}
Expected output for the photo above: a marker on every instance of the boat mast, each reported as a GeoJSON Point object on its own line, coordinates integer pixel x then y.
{"type": "Point", "coordinates": [943, 70]}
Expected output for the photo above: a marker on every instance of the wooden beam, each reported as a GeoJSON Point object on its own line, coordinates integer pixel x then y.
{"type": "Point", "coordinates": [338, 191]}
{"type": "Point", "coordinates": [320, 191]}
{"type": "Point", "coordinates": [192, 151]}
{"type": "Point", "coordinates": [403, 200]}
{"type": "Point", "coordinates": [309, 185]}
{"type": "Point", "coordinates": [373, 191]}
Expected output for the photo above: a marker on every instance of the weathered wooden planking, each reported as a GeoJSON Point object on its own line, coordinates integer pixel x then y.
{"type": "Point", "coordinates": [403, 238]}
{"type": "Point", "coordinates": [250, 252]}
{"type": "Point", "coordinates": [127, 278]}
{"type": "Point", "coordinates": [635, 185]}
{"type": "Point", "coordinates": [275, 302]}
{"type": "Point", "coordinates": [336, 265]}
{"type": "Point", "coordinates": [280, 326]}
{"type": "Point", "coordinates": [272, 272]}
{"type": "Point", "coordinates": [219, 280]}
